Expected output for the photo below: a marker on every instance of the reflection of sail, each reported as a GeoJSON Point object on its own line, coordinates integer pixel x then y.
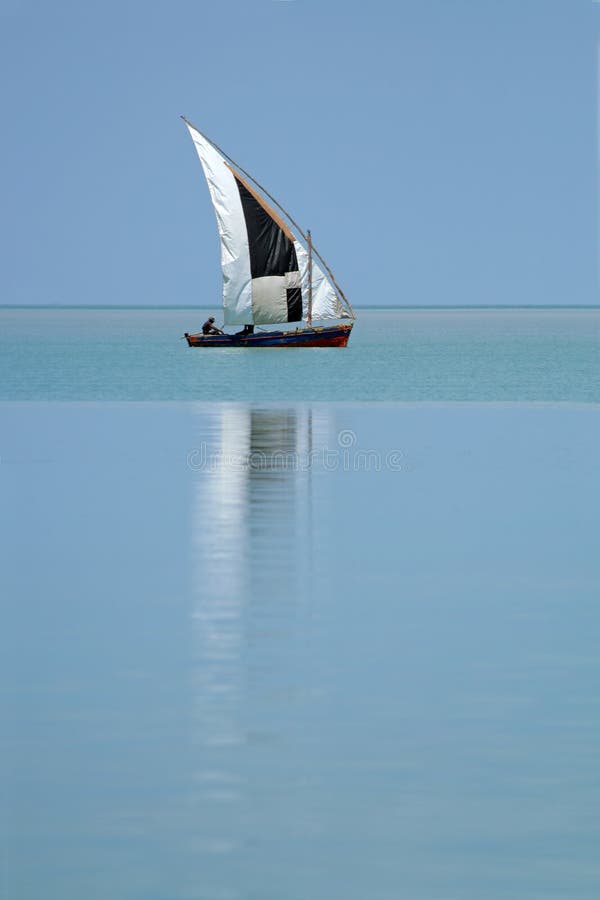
{"type": "Point", "coordinates": [252, 546]}
{"type": "Point", "coordinates": [219, 528]}
{"type": "Point", "coordinates": [220, 551]}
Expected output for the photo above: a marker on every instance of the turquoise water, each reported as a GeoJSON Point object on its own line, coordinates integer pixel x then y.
{"type": "Point", "coordinates": [125, 354]}
{"type": "Point", "coordinates": [300, 647]}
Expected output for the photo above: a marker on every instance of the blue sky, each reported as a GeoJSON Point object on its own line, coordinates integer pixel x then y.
{"type": "Point", "coordinates": [441, 151]}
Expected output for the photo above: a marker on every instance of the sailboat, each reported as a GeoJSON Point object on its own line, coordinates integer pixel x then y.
{"type": "Point", "coordinates": [270, 276]}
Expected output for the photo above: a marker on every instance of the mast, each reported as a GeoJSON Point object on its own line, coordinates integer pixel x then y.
{"type": "Point", "coordinates": [341, 295]}
{"type": "Point", "coordinates": [310, 289]}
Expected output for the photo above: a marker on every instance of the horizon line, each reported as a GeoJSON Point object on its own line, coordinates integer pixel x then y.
{"type": "Point", "coordinates": [372, 306]}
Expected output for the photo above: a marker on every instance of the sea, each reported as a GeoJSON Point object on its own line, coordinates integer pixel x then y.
{"type": "Point", "coordinates": [300, 624]}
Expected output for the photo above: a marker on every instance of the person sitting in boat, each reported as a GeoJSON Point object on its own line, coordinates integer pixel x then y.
{"type": "Point", "coordinates": [209, 327]}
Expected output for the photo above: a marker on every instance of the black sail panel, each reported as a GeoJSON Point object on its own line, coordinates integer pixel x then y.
{"type": "Point", "coordinates": [271, 250]}
{"type": "Point", "coordinates": [294, 304]}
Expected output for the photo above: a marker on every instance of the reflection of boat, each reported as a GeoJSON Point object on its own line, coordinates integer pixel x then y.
{"type": "Point", "coordinates": [269, 276]}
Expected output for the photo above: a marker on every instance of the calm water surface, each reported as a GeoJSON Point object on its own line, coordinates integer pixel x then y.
{"type": "Point", "coordinates": [261, 650]}
{"type": "Point", "coordinates": [124, 354]}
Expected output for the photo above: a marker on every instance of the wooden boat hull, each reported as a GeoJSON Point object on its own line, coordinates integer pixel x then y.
{"type": "Point", "coordinates": [328, 336]}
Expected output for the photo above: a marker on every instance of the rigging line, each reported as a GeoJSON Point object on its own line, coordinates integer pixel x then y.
{"type": "Point", "coordinates": [283, 210]}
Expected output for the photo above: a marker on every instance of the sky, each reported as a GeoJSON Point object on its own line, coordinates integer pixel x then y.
{"type": "Point", "coordinates": [441, 151]}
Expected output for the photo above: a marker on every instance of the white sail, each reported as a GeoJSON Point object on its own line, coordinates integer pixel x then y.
{"type": "Point", "coordinates": [265, 267]}
{"type": "Point", "coordinates": [235, 258]}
